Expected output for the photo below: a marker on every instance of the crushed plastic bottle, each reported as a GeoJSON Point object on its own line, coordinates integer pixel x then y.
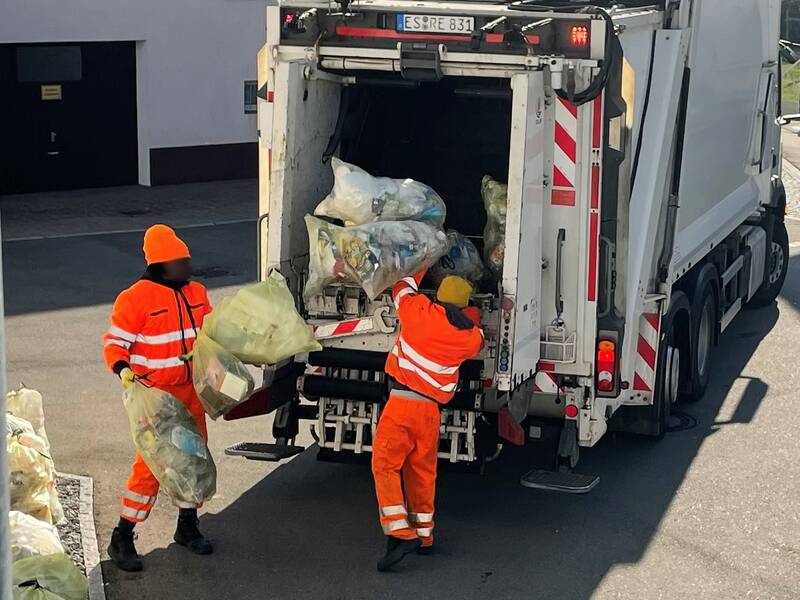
{"type": "Point", "coordinates": [462, 259]}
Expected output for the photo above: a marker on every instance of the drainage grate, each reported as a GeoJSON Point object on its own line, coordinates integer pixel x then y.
{"type": "Point", "coordinates": [211, 272]}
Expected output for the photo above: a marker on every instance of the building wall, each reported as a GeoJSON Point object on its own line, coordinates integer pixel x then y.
{"type": "Point", "coordinates": [192, 59]}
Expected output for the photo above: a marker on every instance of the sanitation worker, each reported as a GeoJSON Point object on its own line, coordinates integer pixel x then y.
{"type": "Point", "coordinates": [435, 338]}
{"type": "Point", "coordinates": [154, 324]}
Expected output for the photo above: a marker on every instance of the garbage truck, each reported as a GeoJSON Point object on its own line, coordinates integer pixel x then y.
{"type": "Point", "coordinates": [640, 142]}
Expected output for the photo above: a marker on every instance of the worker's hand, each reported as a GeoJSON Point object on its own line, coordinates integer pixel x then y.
{"type": "Point", "coordinates": [127, 377]}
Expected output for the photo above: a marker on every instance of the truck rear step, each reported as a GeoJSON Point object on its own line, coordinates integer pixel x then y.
{"type": "Point", "coordinates": [262, 451]}
{"type": "Point", "coordinates": [558, 481]}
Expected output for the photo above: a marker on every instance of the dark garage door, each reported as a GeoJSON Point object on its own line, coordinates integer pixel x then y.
{"type": "Point", "coordinates": [67, 116]}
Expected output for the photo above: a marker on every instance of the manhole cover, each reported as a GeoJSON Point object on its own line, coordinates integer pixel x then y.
{"type": "Point", "coordinates": [211, 272]}
{"type": "Point", "coordinates": [680, 421]}
{"type": "Point", "coordinates": [135, 212]}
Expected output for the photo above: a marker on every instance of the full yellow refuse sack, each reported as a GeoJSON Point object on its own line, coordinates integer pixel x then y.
{"type": "Point", "coordinates": [260, 325]}
{"type": "Point", "coordinates": [27, 404]}
{"type": "Point", "coordinates": [53, 577]}
{"type": "Point", "coordinates": [31, 537]}
{"type": "Point", "coordinates": [167, 437]}
{"type": "Point", "coordinates": [220, 379]}
{"type": "Point", "coordinates": [32, 475]}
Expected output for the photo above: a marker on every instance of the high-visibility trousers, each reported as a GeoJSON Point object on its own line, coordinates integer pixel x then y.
{"type": "Point", "coordinates": [404, 458]}
{"type": "Point", "coordinates": [142, 489]}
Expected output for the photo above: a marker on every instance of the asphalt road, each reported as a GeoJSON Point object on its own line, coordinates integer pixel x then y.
{"type": "Point", "coordinates": [709, 512]}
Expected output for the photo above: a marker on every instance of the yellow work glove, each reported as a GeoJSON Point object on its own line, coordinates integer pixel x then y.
{"type": "Point", "coordinates": [126, 376]}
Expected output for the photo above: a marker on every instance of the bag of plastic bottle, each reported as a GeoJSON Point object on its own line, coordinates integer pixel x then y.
{"type": "Point", "coordinates": [31, 537]}
{"type": "Point", "coordinates": [374, 256]}
{"type": "Point", "coordinates": [358, 198]}
{"type": "Point", "coordinates": [495, 201]}
{"type": "Point", "coordinates": [220, 379]}
{"type": "Point", "coordinates": [51, 577]}
{"type": "Point", "coordinates": [260, 325]}
{"type": "Point", "coordinates": [32, 473]}
{"type": "Point", "coordinates": [462, 259]}
{"type": "Point", "coordinates": [170, 443]}
{"type": "Point", "coordinates": [27, 404]}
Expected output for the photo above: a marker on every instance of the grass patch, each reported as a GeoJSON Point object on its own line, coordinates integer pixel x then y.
{"type": "Point", "coordinates": [791, 83]}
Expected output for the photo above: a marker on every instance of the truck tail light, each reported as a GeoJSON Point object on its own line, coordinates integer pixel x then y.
{"type": "Point", "coordinates": [606, 365]}
{"type": "Point", "coordinates": [579, 36]}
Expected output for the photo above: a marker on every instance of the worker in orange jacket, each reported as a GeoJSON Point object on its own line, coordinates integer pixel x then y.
{"type": "Point", "coordinates": [154, 324]}
{"type": "Point", "coordinates": [435, 338]}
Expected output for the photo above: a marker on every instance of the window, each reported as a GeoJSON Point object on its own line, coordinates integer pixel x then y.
{"type": "Point", "coordinates": [47, 64]}
{"type": "Point", "coordinates": [250, 95]}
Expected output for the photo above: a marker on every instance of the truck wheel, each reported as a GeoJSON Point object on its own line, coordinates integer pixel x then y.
{"type": "Point", "coordinates": [778, 266]}
{"type": "Point", "coordinates": [674, 327]}
{"type": "Point", "coordinates": [704, 330]}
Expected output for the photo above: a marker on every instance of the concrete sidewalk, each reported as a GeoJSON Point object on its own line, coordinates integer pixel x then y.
{"type": "Point", "coordinates": [129, 208]}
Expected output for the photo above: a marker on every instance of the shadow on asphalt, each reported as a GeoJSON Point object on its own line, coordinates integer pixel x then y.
{"type": "Point", "coordinates": [68, 272]}
{"type": "Point", "coordinates": [309, 529]}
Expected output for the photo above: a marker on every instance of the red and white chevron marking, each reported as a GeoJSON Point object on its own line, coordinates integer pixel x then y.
{"type": "Point", "coordinates": [343, 328]}
{"type": "Point", "coordinates": [566, 153]}
{"type": "Point", "coordinates": [644, 376]}
{"type": "Point", "coordinates": [545, 383]}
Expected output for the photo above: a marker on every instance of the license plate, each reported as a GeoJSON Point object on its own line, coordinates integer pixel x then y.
{"type": "Point", "coordinates": [435, 24]}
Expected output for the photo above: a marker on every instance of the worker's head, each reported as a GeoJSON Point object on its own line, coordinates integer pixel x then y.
{"type": "Point", "coordinates": [454, 290]}
{"type": "Point", "coordinates": [163, 247]}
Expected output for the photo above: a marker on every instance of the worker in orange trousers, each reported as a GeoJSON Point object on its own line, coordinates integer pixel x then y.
{"type": "Point", "coordinates": [154, 324]}
{"type": "Point", "coordinates": [435, 338]}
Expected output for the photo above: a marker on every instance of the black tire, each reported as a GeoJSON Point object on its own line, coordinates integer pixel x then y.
{"type": "Point", "coordinates": [668, 368]}
{"type": "Point", "coordinates": [777, 267]}
{"type": "Point", "coordinates": [705, 317]}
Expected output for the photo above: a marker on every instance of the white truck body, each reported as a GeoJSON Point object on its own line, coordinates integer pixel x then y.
{"type": "Point", "coordinates": [616, 203]}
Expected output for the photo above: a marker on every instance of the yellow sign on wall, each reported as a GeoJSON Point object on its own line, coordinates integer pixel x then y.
{"type": "Point", "coordinates": [51, 92]}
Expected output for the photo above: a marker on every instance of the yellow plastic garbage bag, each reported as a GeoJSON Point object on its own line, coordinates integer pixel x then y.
{"type": "Point", "coordinates": [27, 404]}
{"type": "Point", "coordinates": [32, 475]}
{"type": "Point", "coordinates": [495, 201]}
{"type": "Point", "coordinates": [52, 577]}
{"type": "Point", "coordinates": [358, 198]}
{"type": "Point", "coordinates": [374, 256]}
{"type": "Point", "coordinates": [167, 437]}
{"type": "Point", "coordinates": [220, 379]}
{"type": "Point", "coordinates": [31, 537]}
{"type": "Point", "coordinates": [260, 325]}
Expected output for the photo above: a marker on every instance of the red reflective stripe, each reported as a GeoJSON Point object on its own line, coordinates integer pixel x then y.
{"type": "Point", "coordinates": [546, 366]}
{"type": "Point", "coordinates": [559, 179]}
{"type": "Point", "coordinates": [565, 142]}
{"type": "Point", "coordinates": [639, 384]}
{"type": "Point", "coordinates": [391, 34]}
{"type": "Point", "coordinates": [347, 326]}
{"type": "Point", "coordinates": [595, 186]}
{"type": "Point", "coordinates": [563, 198]}
{"type": "Point", "coordinates": [647, 352]}
{"type": "Point", "coordinates": [569, 106]}
{"type": "Point", "coordinates": [270, 96]}
{"type": "Point", "coordinates": [652, 318]}
{"type": "Point", "coordinates": [597, 122]}
{"type": "Point", "coordinates": [593, 234]}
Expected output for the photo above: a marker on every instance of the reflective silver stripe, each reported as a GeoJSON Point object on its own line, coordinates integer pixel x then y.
{"type": "Point", "coordinates": [411, 282]}
{"type": "Point", "coordinates": [421, 517]}
{"type": "Point", "coordinates": [409, 395]}
{"type": "Point", "coordinates": [400, 294]}
{"type": "Point", "coordinates": [122, 334]}
{"type": "Point", "coordinates": [116, 342]}
{"type": "Point", "coordinates": [395, 525]}
{"type": "Point", "coordinates": [392, 511]}
{"type": "Point", "coordinates": [165, 338]}
{"type": "Point", "coordinates": [425, 531]}
{"type": "Point", "coordinates": [139, 498]}
{"type": "Point", "coordinates": [423, 362]}
{"type": "Point", "coordinates": [406, 364]}
{"type": "Point", "coordinates": [140, 515]}
{"type": "Point", "coordinates": [156, 363]}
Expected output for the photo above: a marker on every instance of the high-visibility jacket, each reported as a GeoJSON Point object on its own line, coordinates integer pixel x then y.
{"type": "Point", "coordinates": [153, 327]}
{"type": "Point", "coordinates": [429, 350]}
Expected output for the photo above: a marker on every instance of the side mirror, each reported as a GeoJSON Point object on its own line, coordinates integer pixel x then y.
{"type": "Point", "coordinates": [786, 119]}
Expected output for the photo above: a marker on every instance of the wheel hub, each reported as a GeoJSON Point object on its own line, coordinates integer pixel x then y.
{"type": "Point", "coordinates": [776, 264]}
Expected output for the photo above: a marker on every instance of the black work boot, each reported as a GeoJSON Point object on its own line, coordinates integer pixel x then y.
{"type": "Point", "coordinates": [396, 549]}
{"type": "Point", "coordinates": [123, 552]}
{"type": "Point", "coordinates": [187, 534]}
